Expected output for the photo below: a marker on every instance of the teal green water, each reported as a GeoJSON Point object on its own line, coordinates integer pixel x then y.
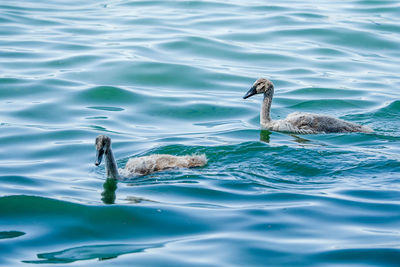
{"type": "Point", "coordinates": [168, 77]}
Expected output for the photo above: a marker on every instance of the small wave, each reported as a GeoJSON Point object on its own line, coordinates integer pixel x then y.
{"type": "Point", "coordinates": [100, 252]}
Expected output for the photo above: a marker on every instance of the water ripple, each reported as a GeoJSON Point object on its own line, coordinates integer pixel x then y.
{"type": "Point", "coordinates": [168, 77]}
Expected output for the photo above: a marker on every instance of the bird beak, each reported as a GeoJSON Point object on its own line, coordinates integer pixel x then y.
{"type": "Point", "coordinates": [251, 92]}
{"type": "Point", "coordinates": [99, 157]}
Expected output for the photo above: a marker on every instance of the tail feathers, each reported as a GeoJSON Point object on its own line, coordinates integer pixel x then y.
{"type": "Point", "coordinates": [366, 129]}
{"type": "Point", "coordinates": [196, 160]}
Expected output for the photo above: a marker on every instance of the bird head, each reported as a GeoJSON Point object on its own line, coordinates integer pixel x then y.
{"type": "Point", "coordinates": [103, 144]}
{"type": "Point", "coordinates": [261, 86]}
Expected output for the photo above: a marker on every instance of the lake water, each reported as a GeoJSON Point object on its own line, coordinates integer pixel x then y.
{"type": "Point", "coordinates": [168, 77]}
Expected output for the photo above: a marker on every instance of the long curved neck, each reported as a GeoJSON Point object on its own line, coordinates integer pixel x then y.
{"type": "Point", "coordinates": [265, 117]}
{"type": "Point", "coordinates": [111, 166]}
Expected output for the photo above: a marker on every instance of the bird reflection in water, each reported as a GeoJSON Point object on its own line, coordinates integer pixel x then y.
{"type": "Point", "coordinates": [265, 136]}
{"type": "Point", "coordinates": [108, 195]}
{"type": "Point", "coordinates": [300, 140]}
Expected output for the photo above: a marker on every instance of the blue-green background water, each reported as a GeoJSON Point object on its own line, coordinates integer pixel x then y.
{"type": "Point", "coordinates": [168, 77]}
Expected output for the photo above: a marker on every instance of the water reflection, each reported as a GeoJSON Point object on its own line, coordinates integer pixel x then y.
{"type": "Point", "coordinates": [108, 195]}
{"type": "Point", "coordinates": [265, 136]}
{"type": "Point", "coordinates": [100, 252]}
{"type": "Point", "coordinates": [300, 140]}
{"type": "Point", "coordinates": [10, 234]}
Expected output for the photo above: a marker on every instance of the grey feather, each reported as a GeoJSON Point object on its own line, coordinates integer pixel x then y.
{"type": "Point", "coordinates": [299, 122]}
{"type": "Point", "coordinates": [143, 165]}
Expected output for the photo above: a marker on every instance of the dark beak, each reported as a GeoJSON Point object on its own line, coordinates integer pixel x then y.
{"type": "Point", "coordinates": [251, 92]}
{"type": "Point", "coordinates": [99, 157]}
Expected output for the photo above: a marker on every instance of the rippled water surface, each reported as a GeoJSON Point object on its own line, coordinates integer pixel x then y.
{"type": "Point", "coordinates": [168, 77]}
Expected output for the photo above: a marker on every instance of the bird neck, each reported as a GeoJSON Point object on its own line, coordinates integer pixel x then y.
{"type": "Point", "coordinates": [265, 117]}
{"type": "Point", "coordinates": [111, 166]}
